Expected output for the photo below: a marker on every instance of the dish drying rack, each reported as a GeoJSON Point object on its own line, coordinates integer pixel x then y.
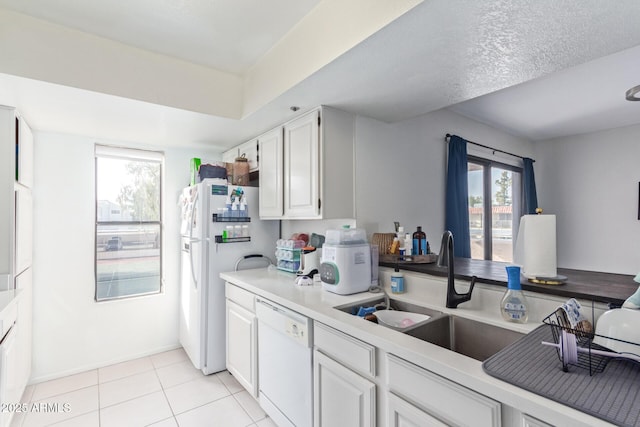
{"type": "Point", "coordinates": [575, 345]}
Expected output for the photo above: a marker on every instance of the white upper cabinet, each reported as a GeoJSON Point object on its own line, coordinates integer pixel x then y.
{"type": "Point", "coordinates": [16, 182]}
{"type": "Point", "coordinates": [229, 156]}
{"type": "Point", "coordinates": [250, 151]}
{"type": "Point", "coordinates": [24, 173]}
{"type": "Point", "coordinates": [317, 168]}
{"type": "Point", "coordinates": [271, 174]}
{"type": "Point", "coordinates": [23, 230]}
{"type": "Point", "coordinates": [301, 167]}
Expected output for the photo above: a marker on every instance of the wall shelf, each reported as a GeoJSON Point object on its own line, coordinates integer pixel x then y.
{"type": "Point", "coordinates": [216, 218]}
{"type": "Point", "coordinates": [220, 239]}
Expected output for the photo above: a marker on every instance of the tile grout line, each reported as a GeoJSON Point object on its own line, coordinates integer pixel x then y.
{"type": "Point", "coordinates": [99, 382]}
{"type": "Point", "coordinates": [99, 409]}
{"type": "Point", "coordinates": [164, 393]}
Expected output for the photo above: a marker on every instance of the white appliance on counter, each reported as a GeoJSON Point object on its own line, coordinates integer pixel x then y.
{"type": "Point", "coordinates": [211, 244]}
{"type": "Point", "coordinates": [285, 364]}
{"type": "Point", "coordinates": [346, 267]}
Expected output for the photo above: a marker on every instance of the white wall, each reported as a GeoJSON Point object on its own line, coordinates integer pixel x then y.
{"type": "Point", "coordinates": [400, 169]}
{"type": "Point", "coordinates": [590, 182]}
{"type": "Point", "coordinates": [71, 331]}
{"type": "Point", "coordinates": [69, 57]}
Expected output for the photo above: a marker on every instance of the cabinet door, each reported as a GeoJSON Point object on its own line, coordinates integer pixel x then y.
{"type": "Point", "coordinates": [250, 150]}
{"type": "Point", "coordinates": [440, 397]}
{"type": "Point", "coordinates": [241, 346]}
{"type": "Point", "coordinates": [302, 167]}
{"type": "Point", "coordinates": [23, 229]}
{"type": "Point", "coordinates": [25, 154]}
{"type": "Point", "coordinates": [341, 397]}
{"type": "Point", "coordinates": [229, 156]}
{"type": "Point", "coordinates": [271, 174]}
{"type": "Point", "coordinates": [529, 421]}
{"type": "Point", "coordinates": [403, 414]}
{"type": "Point", "coordinates": [10, 391]}
{"type": "Point", "coordinates": [24, 321]}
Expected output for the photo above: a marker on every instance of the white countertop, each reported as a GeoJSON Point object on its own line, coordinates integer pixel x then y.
{"type": "Point", "coordinates": [428, 291]}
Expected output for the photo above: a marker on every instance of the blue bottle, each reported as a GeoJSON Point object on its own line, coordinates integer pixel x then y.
{"type": "Point", "coordinates": [419, 242]}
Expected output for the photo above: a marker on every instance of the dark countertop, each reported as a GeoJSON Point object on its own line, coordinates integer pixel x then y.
{"type": "Point", "coordinates": [610, 393]}
{"type": "Point", "coordinates": [591, 285]}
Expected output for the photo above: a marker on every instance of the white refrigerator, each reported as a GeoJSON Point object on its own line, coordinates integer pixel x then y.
{"type": "Point", "coordinates": [212, 242]}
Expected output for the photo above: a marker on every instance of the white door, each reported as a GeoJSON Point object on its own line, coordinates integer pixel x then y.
{"type": "Point", "coordinates": [250, 150]}
{"type": "Point", "coordinates": [9, 360]}
{"type": "Point", "coordinates": [25, 154]}
{"type": "Point", "coordinates": [24, 229]}
{"type": "Point", "coordinates": [341, 397]}
{"type": "Point", "coordinates": [242, 346]}
{"type": "Point", "coordinates": [191, 300]}
{"type": "Point", "coordinates": [403, 414]}
{"type": "Point", "coordinates": [302, 167]}
{"type": "Point", "coordinates": [271, 174]}
{"type": "Point", "coordinates": [23, 283]}
{"type": "Point", "coordinates": [229, 156]}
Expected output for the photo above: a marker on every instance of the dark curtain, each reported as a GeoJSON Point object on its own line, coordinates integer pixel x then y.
{"type": "Point", "coordinates": [457, 200]}
{"type": "Point", "coordinates": [530, 196]}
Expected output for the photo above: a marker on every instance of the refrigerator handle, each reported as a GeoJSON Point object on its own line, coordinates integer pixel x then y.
{"type": "Point", "coordinates": [193, 209]}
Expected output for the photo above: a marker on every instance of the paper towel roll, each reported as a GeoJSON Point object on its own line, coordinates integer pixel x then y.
{"type": "Point", "coordinates": [535, 249]}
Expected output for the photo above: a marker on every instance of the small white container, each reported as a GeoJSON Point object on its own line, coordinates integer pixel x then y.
{"type": "Point", "coordinates": [346, 236]}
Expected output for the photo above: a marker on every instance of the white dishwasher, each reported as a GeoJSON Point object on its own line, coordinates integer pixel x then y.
{"type": "Point", "coordinates": [285, 364]}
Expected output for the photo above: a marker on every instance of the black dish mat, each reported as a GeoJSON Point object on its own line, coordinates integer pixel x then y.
{"type": "Point", "coordinates": [612, 395]}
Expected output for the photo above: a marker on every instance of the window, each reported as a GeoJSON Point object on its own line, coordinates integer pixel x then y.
{"type": "Point", "coordinates": [128, 232]}
{"type": "Point", "coordinates": [495, 207]}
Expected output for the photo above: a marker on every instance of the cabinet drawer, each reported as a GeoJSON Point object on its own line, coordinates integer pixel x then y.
{"type": "Point", "coordinates": [441, 397]}
{"type": "Point", "coordinates": [403, 414]}
{"type": "Point", "coordinates": [529, 421]}
{"type": "Point", "coordinates": [347, 350]}
{"type": "Point", "coordinates": [240, 296]}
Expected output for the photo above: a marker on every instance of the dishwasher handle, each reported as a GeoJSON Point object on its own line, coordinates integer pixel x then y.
{"type": "Point", "coordinates": [268, 304]}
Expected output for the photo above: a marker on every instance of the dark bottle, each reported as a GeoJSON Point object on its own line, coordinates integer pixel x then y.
{"type": "Point", "coordinates": [419, 242]}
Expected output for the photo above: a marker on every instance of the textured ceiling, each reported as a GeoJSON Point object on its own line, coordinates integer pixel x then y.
{"type": "Point", "coordinates": [228, 35]}
{"type": "Point", "coordinates": [441, 53]}
{"type": "Point", "coordinates": [585, 98]}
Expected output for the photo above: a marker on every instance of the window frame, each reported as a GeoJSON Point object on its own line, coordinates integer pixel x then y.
{"type": "Point", "coordinates": [487, 223]}
{"type": "Point", "coordinates": [132, 154]}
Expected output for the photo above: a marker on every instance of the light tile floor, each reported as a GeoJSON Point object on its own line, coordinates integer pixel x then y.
{"type": "Point", "coordinates": [163, 390]}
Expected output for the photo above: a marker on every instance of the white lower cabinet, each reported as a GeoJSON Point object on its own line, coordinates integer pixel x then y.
{"type": "Point", "coordinates": [242, 339]}
{"type": "Point", "coordinates": [342, 393]}
{"type": "Point", "coordinates": [10, 382]}
{"type": "Point", "coordinates": [444, 400]}
{"type": "Point", "coordinates": [341, 397]}
{"type": "Point", "coordinates": [403, 414]}
{"type": "Point", "coordinates": [24, 322]}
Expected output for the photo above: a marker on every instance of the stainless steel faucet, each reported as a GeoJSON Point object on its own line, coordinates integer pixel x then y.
{"type": "Point", "coordinates": [445, 259]}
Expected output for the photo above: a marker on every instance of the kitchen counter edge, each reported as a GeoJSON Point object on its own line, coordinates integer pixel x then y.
{"type": "Point", "coordinates": [312, 301]}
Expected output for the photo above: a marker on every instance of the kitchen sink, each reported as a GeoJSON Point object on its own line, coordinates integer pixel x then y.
{"type": "Point", "coordinates": [395, 305]}
{"type": "Point", "coordinates": [474, 339]}
{"type": "Point", "coordinates": [471, 338]}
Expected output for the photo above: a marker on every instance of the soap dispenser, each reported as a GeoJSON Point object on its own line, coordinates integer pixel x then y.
{"type": "Point", "coordinates": [514, 305]}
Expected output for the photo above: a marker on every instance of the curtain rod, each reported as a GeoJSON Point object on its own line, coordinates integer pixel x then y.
{"type": "Point", "coordinates": [489, 148]}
